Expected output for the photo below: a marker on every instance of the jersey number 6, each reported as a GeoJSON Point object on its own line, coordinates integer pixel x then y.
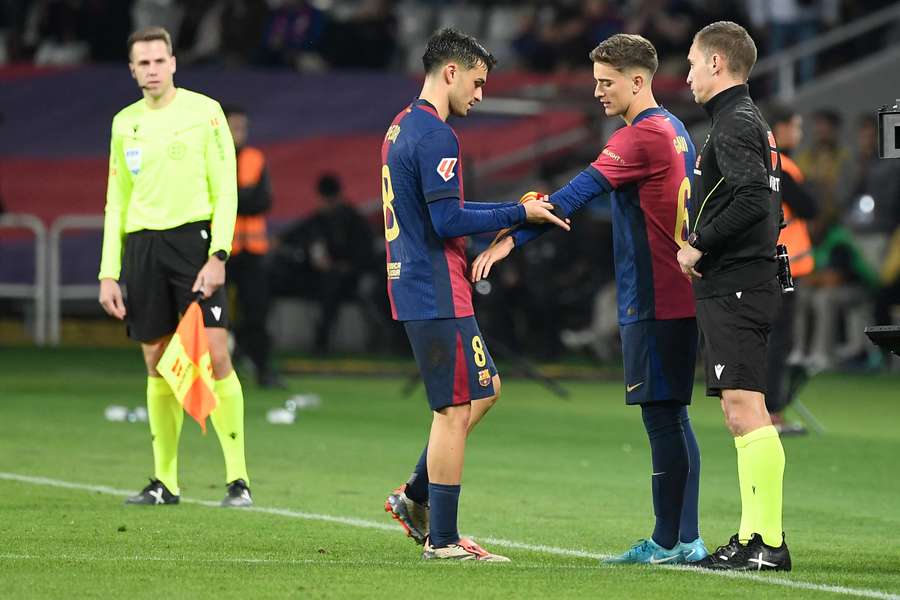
{"type": "Point", "coordinates": [391, 226]}
{"type": "Point", "coordinates": [681, 213]}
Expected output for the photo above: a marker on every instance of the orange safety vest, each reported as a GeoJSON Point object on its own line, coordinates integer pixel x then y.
{"type": "Point", "coordinates": [250, 233]}
{"type": "Point", "coordinates": [795, 234]}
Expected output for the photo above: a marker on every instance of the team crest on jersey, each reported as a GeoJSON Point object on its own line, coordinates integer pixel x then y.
{"type": "Point", "coordinates": [445, 168]}
{"type": "Point", "coordinates": [484, 377]}
{"type": "Point", "coordinates": [133, 159]}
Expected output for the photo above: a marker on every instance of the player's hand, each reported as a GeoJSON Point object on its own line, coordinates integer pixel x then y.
{"type": "Point", "coordinates": [210, 278]}
{"type": "Point", "coordinates": [111, 298]}
{"type": "Point", "coordinates": [541, 211]}
{"type": "Point", "coordinates": [481, 266]}
{"type": "Point", "coordinates": [687, 260]}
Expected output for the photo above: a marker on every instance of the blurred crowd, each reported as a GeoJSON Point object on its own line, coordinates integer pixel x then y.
{"type": "Point", "coordinates": [320, 34]}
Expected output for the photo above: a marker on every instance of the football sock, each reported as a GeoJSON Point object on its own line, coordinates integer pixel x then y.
{"type": "Point", "coordinates": [670, 468]}
{"type": "Point", "coordinates": [690, 510]}
{"type": "Point", "coordinates": [748, 506]}
{"type": "Point", "coordinates": [165, 416]}
{"type": "Point", "coordinates": [228, 421]}
{"type": "Point", "coordinates": [417, 485]}
{"type": "Point", "coordinates": [444, 501]}
{"type": "Point", "coordinates": [764, 462]}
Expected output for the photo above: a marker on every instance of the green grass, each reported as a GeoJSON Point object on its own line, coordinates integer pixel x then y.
{"type": "Point", "coordinates": [540, 471]}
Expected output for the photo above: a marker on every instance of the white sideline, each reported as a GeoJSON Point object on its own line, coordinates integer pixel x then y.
{"type": "Point", "coordinates": [767, 579]}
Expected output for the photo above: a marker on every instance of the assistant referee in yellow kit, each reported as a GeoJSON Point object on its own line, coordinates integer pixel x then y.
{"type": "Point", "coordinates": [171, 202]}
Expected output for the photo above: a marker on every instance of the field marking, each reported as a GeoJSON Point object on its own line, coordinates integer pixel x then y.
{"type": "Point", "coordinates": [362, 523]}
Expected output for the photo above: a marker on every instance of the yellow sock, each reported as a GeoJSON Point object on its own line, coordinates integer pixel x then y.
{"type": "Point", "coordinates": [166, 416]}
{"type": "Point", "coordinates": [748, 507]}
{"type": "Point", "coordinates": [764, 462]}
{"type": "Point", "coordinates": [228, 421]}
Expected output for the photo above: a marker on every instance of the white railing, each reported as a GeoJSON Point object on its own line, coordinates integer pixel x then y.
{"type": "Point", "coordinates": [784, 64]}
{"type": "Point", "coordinates": [56, 291]}
{"type": "Point", "coordinates": [36, 291]}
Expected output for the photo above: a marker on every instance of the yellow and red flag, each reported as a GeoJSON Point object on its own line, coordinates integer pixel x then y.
{"type": "Point", "coordinates": [187, 367]}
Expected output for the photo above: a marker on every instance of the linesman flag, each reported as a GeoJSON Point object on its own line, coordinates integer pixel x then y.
{"type": "Point", "coordinates": [187, 367]}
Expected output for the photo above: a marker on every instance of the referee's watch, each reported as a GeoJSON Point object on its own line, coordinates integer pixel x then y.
{"type": "Point", "coordinates": [221, 255]}
{"type": "Point", "coordinates": [694, 241]}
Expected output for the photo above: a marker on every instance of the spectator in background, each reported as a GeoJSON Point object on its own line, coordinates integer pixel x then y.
{"type": "Point", "coordinates": [842, 282]}
{"type": "Point", "coordinates": [293, 34]}
{"type": "Point", "coordinates": [825, 161]}
{"type": "Point", "coordinates": [669, 23]}
{"type": "Point", "coordinates": [889, 294]}
{"type": "Point", "coordinates": [245, 269]}
{"type": "Point", "coordinates": [374, 27]}
{"type": "Point", "coordinates": [791, 22]}
{"type": "Point", "coordinates": [799, 206]}
{"type": "Point", "coordinates": [53, 29]}
{"type": "Point", "coordinates": [332, 248]}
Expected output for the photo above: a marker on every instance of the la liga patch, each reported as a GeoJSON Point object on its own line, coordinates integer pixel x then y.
{"type": "Point", "coordinates": [445, 168]}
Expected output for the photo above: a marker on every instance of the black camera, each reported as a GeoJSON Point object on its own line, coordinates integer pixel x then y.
{"type": "Point", "coordinates": [784, 269]}
{"type": "Point", "coordinates": [889, 131]}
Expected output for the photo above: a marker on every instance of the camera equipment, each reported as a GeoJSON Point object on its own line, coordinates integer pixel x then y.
{"type": "Point", "coordinates": [784, 269]}
{"type": "Point", "coordinates": [886, 337]}
{"type": "Point", "coordinates": [889, 131]}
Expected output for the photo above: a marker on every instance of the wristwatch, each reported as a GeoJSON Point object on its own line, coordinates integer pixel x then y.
{"type": "Point", "coordinates": [221, 255]}
{"type": "Point", "coordinates": [694, 240]}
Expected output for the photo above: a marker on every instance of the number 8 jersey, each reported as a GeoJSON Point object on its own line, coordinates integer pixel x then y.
{"type": "Point", "coordinates": [421, 163]}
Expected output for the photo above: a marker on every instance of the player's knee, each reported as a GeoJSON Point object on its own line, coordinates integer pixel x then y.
{"type": "Point", "coordinates": [456, 417]}
{"type": "Point", "coordinates": [492, 400]}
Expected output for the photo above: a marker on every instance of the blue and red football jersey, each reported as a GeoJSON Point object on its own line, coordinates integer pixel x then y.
{"type": "Point", "coordinates": [650, 165]}
{"type": "Point", "coordinates": [421, 163]}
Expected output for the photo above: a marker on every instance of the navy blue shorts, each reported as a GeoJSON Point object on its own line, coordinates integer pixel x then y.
{"type": "Point", "coordinates": [660, 357]}
{"type": "Point", "coordinates": [453, 360]}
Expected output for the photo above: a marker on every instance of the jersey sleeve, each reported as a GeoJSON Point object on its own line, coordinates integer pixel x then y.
{"type": "Point", "coordinates": [221, 175]}
{"type": "Point", "coordinates": [437, 155]}
{"type": "Point", "coordinates": [118, 191]}
{"type": "Point", "coordinates": [624, 159]}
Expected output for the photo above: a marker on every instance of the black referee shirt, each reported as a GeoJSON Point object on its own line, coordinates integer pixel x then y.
{"type": "Point", "coordinates": [737, 208]}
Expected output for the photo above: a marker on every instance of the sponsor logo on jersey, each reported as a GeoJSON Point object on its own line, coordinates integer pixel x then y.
{"type": "Point", "coordinates": [393, 270]}
{"type": "Point", "coordinates": [445, 168]}
{"type": "Point", "coordinates": [612, 155]}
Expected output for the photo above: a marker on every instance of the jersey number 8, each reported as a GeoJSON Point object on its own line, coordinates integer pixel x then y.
{"type": "Point", "coordinates": [391, 225]}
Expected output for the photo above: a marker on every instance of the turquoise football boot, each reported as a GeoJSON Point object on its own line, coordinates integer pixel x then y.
{"type": "Point", "coordinates": [647, 552]}
{"type": "Point", "coordinates": [691, 552]}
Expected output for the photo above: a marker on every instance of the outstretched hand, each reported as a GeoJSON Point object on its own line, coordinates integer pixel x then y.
{"type": "Point", "coordinates": [481, 266]}
{"type": "Point", "coordinates": [541, 211]}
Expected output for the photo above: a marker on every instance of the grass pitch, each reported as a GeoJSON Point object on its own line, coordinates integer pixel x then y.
{"type": "Point", "coordinates": [554, 484]}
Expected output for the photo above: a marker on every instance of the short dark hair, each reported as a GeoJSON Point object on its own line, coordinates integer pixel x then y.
{"type": "Point", "coordinates": [626, 51]}
{"type": "Point", "coordinates": [731, 41]}
{"type": "Point", "coordinates": [451, 45]}
{"type": "Point", "coordinates": [777, 113]}
{"type": "Point", "coordinates": [149, 34]}
{"type": "Point", "coordinates": [329, 185]}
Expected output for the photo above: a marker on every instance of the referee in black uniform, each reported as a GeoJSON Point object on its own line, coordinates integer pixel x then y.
{"type": "Point", "coordinates": [735, 217]}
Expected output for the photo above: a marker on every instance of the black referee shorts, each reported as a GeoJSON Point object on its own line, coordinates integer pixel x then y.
{"type": "Point", "coordinates": [734, 335]}
{"type": "Point", "coordinates": [160, 269]}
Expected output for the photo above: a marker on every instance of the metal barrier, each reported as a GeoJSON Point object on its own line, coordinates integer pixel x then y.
{"type": "Point", "coordinates": [57, 292]}
{"type": "Point", "coordinates": [36, 291]}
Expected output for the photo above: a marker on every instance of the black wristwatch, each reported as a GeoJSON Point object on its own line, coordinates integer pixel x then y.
{"type": "Point", "coordinates": [694, 240]}
{"type": "Point", "coordinates": [221, 255]}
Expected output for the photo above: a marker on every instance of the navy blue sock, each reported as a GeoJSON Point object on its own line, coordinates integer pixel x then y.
{"type": "Point", "coordinates": [690, 511]}
{"type": "Point", "coordinates": [417, 485]}
{"type": "Point", "coordinates": [670, 468]}
{"type": "Point", "coordinates": [444, 500]}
